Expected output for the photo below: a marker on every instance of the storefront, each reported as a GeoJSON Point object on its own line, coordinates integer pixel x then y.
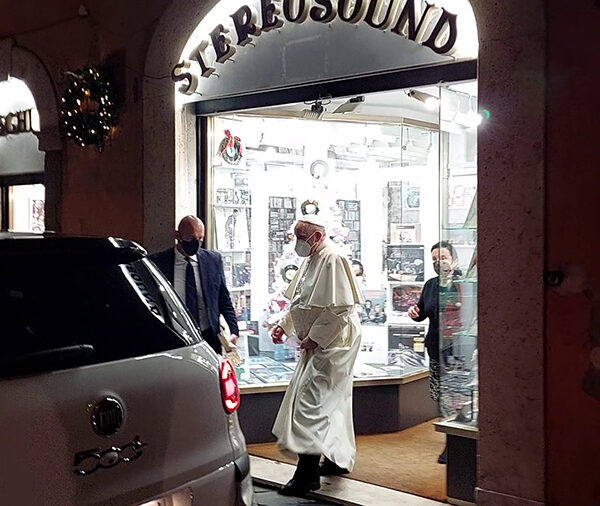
{"type": "Point", "coordinates": [341, 111]}
{"type": "Point", "coordinates": [22, 193]}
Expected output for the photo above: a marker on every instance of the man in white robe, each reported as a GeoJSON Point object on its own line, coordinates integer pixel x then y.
{"type": "Point", "coordinates": [315, 417]}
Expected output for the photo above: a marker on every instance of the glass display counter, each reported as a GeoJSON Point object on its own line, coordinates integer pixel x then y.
{"type": "Point", "coordinates": [458, 289]}
{"type": "Point", "coordinates": [459, 399]}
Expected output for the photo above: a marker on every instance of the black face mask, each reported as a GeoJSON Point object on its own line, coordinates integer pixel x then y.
{"type": "Point", "coordinates": [190, 247]}
{"type": "Point", "coordinates": [436, 267]}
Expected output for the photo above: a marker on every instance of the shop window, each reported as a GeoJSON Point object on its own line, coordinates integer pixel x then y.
{"type": "Point", "coordinates": [26, 208]}
{"type": "Point", "coordinates": [22, 195]}
{"type": "Point", "coordinates": [378, 185]}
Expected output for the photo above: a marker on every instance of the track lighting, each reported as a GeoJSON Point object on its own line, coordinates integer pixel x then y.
{"type": "Point", "coordinates": [430, 101]}
{"type": "Point", "coordinates": [316, 111]}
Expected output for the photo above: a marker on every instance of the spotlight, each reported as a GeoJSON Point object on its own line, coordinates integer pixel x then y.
{"type": "Point", "coordinates": [316, 111]}
{"type": "Point", "coordinates": [430, 101]}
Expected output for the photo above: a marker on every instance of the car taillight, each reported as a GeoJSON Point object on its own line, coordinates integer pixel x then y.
{"type": "Point", "coordinates": [229, 387]}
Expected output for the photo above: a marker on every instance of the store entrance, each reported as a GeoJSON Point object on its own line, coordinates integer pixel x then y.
{"type": "Point", "coordinates": [392, 174]}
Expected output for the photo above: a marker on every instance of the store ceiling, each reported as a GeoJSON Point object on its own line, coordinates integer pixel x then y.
{"type": "Point", "coordinates": [384, 107]}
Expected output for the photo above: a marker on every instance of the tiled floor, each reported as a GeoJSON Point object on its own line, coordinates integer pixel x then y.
{"type": "Point", "coordinates": [334, 489]}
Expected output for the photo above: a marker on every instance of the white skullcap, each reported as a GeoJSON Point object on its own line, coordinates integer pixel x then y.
{"type": "Point", "coordinates": [314, 219]}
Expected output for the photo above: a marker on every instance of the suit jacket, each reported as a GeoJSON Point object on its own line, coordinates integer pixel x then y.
{"type": "Point", "coordinates": [214, 288]}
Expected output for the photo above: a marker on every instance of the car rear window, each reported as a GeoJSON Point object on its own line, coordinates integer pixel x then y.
{"type": "Point", "coordinates": [62, 311]}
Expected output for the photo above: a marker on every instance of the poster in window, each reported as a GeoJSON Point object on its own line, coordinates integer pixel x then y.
{"type": "Point", "coordinates": [407, 345]}
{"type": "Point", "coordinates": [403, 202]}
{"type": "Point", "coordinates": [461, 194]}
{"type": "Point", "coordinates": [405, 262]}
{"type": "Point", "coordinates": [405, 234]}
{"type": "Point", "coordinates": [224, 196]}
{"type": "Point", "coordinates": [36, 221]}
{"type": "Point", "coordinates": [372, 312]}
{"type": "Point", "coordinates": [404, 296]}
{"type": "Point", "coordinates": [231, 229]}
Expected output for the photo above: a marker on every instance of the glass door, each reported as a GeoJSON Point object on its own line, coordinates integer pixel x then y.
{"type": "Point", "coordinates": [457, 254]}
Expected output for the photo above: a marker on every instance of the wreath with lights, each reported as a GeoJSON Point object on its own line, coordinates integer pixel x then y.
{"type": "Point", "coordinates": [88, 107]}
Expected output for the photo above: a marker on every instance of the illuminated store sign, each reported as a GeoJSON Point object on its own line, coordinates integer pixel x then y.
{"type": "Point", "coordinates": [434, 28]}
{"type": "Point", "coordinates": [16, 123]}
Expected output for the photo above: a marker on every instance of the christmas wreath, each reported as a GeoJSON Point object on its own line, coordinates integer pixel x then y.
{"type": "Point", "coordinates": [309, 207]}
{"type": "Point", "coordinates": [231, 148]}
{"type": "Point", "coordinates": [88, 107]}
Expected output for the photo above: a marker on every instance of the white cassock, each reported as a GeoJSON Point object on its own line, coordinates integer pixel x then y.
{"type": "Point", "coordinates": [315, 416]}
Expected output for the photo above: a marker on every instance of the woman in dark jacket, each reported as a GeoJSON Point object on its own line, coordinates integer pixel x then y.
{"type": "Point", "coordinates": [439, 292]}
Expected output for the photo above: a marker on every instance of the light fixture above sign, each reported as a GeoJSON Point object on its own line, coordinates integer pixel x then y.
{"type": "Point", "coordinates": [422, 23]}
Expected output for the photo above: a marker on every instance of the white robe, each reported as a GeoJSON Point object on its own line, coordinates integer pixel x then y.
{"type": "Point", "coordinates": [315, 416]}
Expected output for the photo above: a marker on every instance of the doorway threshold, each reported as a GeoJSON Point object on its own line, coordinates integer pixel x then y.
{"type": "Point", "coordinates": [336, 489]}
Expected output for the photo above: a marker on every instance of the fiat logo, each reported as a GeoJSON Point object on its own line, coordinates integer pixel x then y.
{"type": "Point", "coordinates": [107, 416]}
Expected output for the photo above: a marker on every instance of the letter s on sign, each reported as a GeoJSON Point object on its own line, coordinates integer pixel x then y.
{"type": "Point", "coordinates": [178, 75]}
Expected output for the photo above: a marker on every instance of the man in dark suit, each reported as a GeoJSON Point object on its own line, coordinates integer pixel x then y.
{"type": "Point", "coordinates": [198, 278]}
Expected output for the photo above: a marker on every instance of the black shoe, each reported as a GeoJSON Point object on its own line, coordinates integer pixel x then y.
{"type": "Point", "coordinates": [298, 487]}
{"type": "Point", "coordinates": [329, 468]}
{"type": "Point", "coordinates": [443, 458]}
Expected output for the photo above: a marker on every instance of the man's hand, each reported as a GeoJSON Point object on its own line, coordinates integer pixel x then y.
{"type": "Point", "coordinates": [233, 339]}
{"type": "Point", "coordinates": [413, 311]}
{"type": "Point", "coordinates": [308, 344]}
{"type": "Point", "coordinates": [277, 335]}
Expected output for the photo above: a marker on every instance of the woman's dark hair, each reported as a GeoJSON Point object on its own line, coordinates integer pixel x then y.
{"type": "Point", "coordinates": [360, 265]}
{"type": "Point", "coordinates": [448, 246]}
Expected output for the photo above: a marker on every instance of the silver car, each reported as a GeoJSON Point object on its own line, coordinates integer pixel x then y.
{"type": "Point", "coordinates": [108, 394]}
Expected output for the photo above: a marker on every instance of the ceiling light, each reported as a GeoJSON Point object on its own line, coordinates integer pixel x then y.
{"type": "Point", "coordinates": [430, 101]}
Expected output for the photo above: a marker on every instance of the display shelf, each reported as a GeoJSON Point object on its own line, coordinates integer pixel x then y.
{"type": "Point", "coordinates": [239, 206]}
{"type": "Point", "coordinates": [466, 281]}
{"type": "Point", "coordinates": [457, 428]}
{"type": "Point", "coordinates": [239, 288]}
{"type": "Point", "coordinates": [394, 282]}
{"type": "Point", "coordinates": [281, 386]}
{"type": "Point", "coordinates": [447, 228]}
{"type": "Point", "coordinates": [465, 335]}
{"type": "Point", "coordinates": [236, 168]}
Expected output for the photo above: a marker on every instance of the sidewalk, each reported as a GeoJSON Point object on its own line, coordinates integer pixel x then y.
{"type": "Point", "coordinates": [269, 497]}
{"type": "Point", "coordinates": [334, 489]}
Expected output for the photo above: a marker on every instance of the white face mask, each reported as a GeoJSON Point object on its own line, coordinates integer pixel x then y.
{"type": "Point", "coordinates": [302, 247]}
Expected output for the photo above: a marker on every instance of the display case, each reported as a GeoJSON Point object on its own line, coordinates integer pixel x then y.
{"type": "Point", "coordinates": [377, 187]}
{"type": "Point", "coordinates": [458, 287]}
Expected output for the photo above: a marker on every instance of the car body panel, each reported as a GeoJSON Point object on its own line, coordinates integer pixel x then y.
{"type": "Point", "coordinates": [184, 429]}
{"type": "Point", "coordinates": [108, 394]}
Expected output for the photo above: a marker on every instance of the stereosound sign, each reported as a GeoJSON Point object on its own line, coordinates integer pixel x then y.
{"type": "Point", "coordinates": [267, 44]}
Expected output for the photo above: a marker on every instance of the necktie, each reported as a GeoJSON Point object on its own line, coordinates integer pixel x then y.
{"type": "Point", "coordinates": [191, 292]}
